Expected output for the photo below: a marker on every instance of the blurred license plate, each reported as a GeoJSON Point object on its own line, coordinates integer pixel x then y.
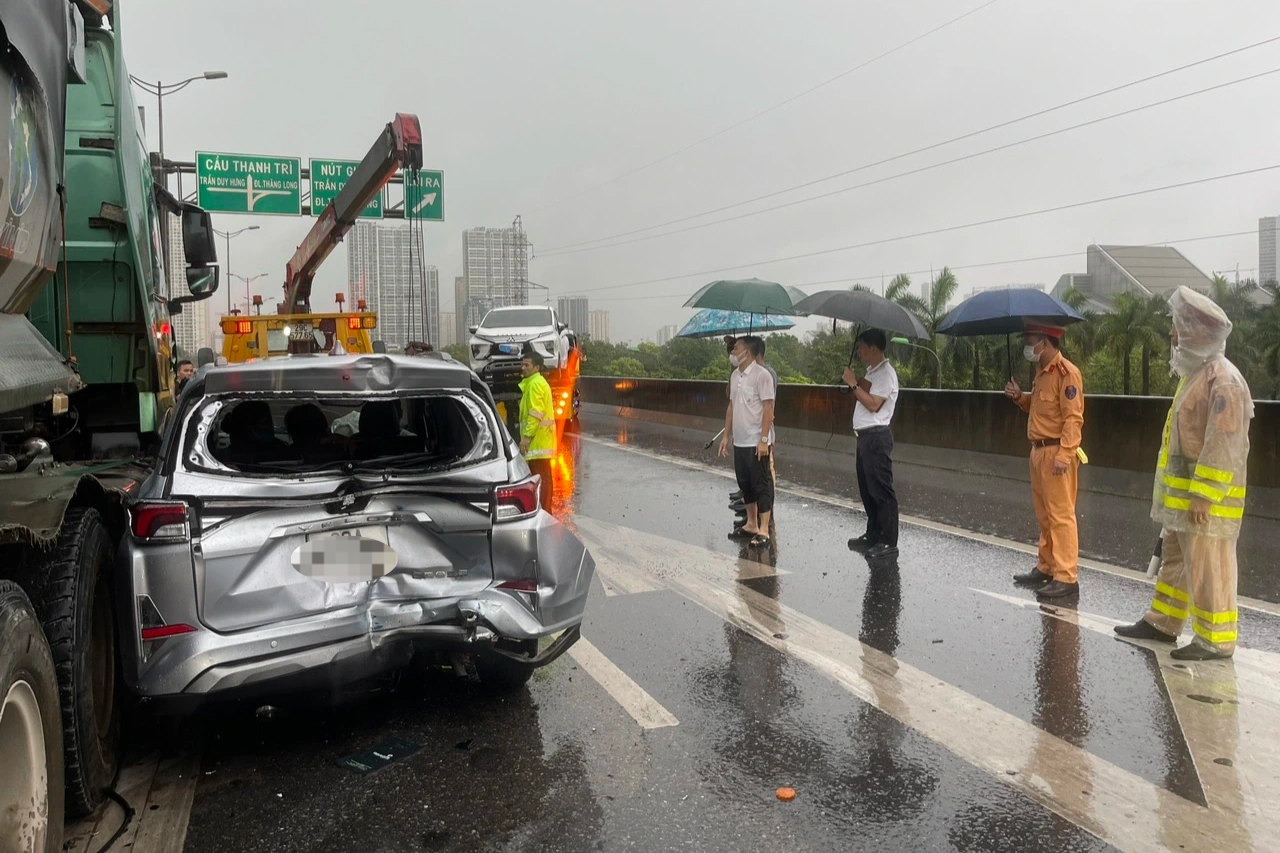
{"type": "Point", "coordinates": [353, 555]}
{"type": "Point", "coordinates": [509, 349]}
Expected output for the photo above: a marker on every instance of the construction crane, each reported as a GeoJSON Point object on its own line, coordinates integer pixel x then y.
{"type": "Point", "coordinates": [399, 146]}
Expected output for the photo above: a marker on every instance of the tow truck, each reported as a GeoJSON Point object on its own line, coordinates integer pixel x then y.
{"type": "Point", "coordinates": [246, 338]}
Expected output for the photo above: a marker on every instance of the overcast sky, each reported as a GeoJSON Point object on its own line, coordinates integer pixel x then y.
{"type": "Point", "coordinates": [525, 104]}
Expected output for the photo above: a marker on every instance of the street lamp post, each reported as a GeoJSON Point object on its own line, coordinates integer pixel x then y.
{"type": "Point", "coordinates": [229, 235]}
{"type": "Point", "coordinates": [248, 288]}
{"type": "Point", "coordinates": [160, 89]}
{"type": "Point", "coordinates": [907, 343]}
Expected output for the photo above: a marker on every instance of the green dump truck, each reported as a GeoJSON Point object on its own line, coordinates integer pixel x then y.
{"type": "Point", "coordinates": [86, 380]}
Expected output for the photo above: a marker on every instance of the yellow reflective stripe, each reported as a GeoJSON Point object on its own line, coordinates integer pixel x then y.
{"type": "Point", "coordinates": [1168, 609]}
{"type": "Point", "coordinates": [1184, 505]}
{"type": "Point", "coordinates": [1221, 618]}
{"type": "Point", "coordinates": [1179, 483]}
{"type": "Point", "coordinates": [1215, 636]}
{"type": "Point", "coordinates": [1206, 492]}
{"type": "Point", "coordinates": [1236, 492]}
{"type": "Point", "coordinates": [1176, 594]}
{"type": "Point", "coordinates": [1206, 473]}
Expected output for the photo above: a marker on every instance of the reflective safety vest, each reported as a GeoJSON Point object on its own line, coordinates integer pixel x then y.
{"type": "Point", "coordinates": [1204, 452]}
{"type": "Point", "coordinates": [537, 417]}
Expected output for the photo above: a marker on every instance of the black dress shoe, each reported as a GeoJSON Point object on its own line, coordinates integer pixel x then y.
{"type": "Point", "coordinates": [735, 496]}
{"type": "Point", "coordinates": [1033, 578]}
{"type": "Point", "coordinates": [881, 550]}
{"type": "Point", "coordinates": [1058, 589]}
{"type": "Point", "coordinates": [1197, 651]}
{"type": "Point", "coordinates": [861, 543]}
{"type": "Point", "coordinates": [1144, 630]}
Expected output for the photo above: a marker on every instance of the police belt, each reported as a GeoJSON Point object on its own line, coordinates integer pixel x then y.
{"type": "Point", "coordinates": [1045, 442]}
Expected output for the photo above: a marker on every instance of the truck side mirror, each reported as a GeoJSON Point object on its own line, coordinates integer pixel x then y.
{"type": "Point", "coordinates": [197, 237]}
{"type": "Point", "coordinates": [202, 281]}
{"type": "Point", "coordinates": [560, 327]}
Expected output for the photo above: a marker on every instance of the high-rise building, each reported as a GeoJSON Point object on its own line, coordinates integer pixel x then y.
{"type": "Point", "coordinates": [495, 272]}
{"type": "Point", "coordinates": [1267, 233]}
{"type": "Point", "coordinates": [448, 329]}
{"type": "Point", "coordinates": [191, 327]}
{"type": "Point", "coordinates": [666, 333]}
{"type": "Point", "coordinates": [575, 311]}
{"type": "Point", "coordinates": [385, 268]}
{"type": "Point", "coordinates": [600, 326]}
{"type": "Point", "coordinates": [460, 323]}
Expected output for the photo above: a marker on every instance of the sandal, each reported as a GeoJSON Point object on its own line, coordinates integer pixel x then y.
{"type": "Point", "coordinates": [739, 533]}
{"type": "Point", "coordinates": [759, 541]}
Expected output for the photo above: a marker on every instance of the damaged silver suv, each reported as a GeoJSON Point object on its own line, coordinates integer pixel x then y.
{"type": "Point", "coordinates": [316, 520]}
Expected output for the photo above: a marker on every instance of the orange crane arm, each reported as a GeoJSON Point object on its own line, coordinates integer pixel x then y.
{"type": "Point", "coordinates": [399, 146]}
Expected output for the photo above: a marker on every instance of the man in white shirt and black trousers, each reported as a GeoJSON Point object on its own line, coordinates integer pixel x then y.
{"type": "Point", "coordinates": [876, 395]}
{"type": "Point", "coordinates": [748, 422]}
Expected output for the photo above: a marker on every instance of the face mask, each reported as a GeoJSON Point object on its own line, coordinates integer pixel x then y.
{"type": "Point", "coordinates": [733, 359]}
{"type": "Point", "coordinates": [1029, 353]}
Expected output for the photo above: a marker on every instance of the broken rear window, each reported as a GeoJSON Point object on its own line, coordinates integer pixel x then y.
{"type": "Point", "coordinates": [297, 435]}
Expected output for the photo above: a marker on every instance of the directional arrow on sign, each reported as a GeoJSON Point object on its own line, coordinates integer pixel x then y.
{"type": "Point", "coordinates": [251, 195]}
{"type": "Point", "coordinates": [427, 200]}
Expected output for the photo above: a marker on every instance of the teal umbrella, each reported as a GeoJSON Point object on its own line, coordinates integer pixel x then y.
{"type": "Point", "coordinates": [750, 295]}
{"type": "Point", "coordinates": [710, 323]}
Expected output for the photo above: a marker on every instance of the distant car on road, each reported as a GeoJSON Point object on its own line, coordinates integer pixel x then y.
{"type": "Point", "coordinates": [271, 550]}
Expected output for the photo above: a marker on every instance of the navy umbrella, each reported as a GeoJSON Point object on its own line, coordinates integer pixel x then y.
{"type": "Point", "coordinates": [1006, 312]}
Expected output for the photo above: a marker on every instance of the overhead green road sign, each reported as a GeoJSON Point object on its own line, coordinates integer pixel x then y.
{"type": "Point", "coordinates": [424, 198]}
{"type": "Point", "coordinates": [328, 177]}
{"type": "Point", "coordinates": [249, 183]}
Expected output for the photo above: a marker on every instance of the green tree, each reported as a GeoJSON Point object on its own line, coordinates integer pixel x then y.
{"type": "Point", "coordinates": [460, 352]}
{"type": "Point", "coordinates": [1081, 338]}
{"type": "Point", "coordinates": [1132, 325]}
{"type": "Point", "coordinates": [931, 313]}
{"type": "Point", "coordinates": [629, 367]}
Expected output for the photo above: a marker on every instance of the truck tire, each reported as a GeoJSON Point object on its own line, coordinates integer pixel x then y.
{"type": "Point", "coordinates": [72, 593]}
{"type": "Point", "coordinates": [205, 355]}
{"type": "Point", "coordinates": [30, 730]}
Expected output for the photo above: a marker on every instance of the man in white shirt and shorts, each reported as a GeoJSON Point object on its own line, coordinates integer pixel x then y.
{"type": "Point", "coordinates": [876, 396]}
{"type": "Point", "coordinates": [748, 423]}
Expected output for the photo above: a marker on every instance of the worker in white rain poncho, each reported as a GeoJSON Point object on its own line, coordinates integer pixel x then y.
{"type": "Point", "coordinates": [1199, 487]}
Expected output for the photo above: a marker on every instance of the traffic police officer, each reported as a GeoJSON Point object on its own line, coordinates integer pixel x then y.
{"type": "Point", "coordinates": [537, 422]}
{"type": "Point", "coordinates": [1199, 487]}
{"type": "Point", "coordinates": [1055, 407]}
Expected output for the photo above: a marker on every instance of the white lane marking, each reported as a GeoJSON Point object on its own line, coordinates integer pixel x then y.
{"type": "Point", "coordinates": [633, 698]}
{"type": "Point", "coordinates": [1139, 576]}
{"type": "Point", "coordinates": [1229, 727]}
{"type": "Point", "coordinates": [1108, 801]}
{"type": "Point", "coordinates": [617, 578]}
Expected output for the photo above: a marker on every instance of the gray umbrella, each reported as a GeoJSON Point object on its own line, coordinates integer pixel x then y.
{"type": "Point", "coordinates": [865, 309]}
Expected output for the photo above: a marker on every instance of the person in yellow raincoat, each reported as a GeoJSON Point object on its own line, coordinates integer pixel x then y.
{"type": "Point", "coordinates": [537, 422]}
{"type": "Point", "coordinates": [1199, 487]}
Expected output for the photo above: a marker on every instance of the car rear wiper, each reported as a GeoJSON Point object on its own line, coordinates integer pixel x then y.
{"type": "Point", "coordinates": [399, 461]}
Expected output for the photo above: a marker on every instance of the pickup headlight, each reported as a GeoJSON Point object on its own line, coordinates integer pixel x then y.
{"type": "Point", "coordinates": [479, 348]}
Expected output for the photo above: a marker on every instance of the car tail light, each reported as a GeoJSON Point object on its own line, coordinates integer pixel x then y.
{"type": "Point", "coordinates": [521, 585]}
{"type": "Point", "coordinates": [518, 501]}
{"type": "Point", "coordinates": [152, 521]}
{"type": "Point", "coordinates": [163, 632]}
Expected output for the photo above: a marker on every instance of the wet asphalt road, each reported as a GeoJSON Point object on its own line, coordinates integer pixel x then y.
{"type": "Point", "coordinates": [1113, 528]}
{"type": "Point", "coordinates": [563, 766]}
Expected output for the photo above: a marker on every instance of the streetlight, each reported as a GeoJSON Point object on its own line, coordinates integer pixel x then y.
{"type": "Point", "coordinates": [160, 89]}
{"type": "Point", "coordinates": [907, 343]}
{"type": "Point", "coordinates": [229, 235]}
{"type": "Point", "coordinates": [248, 287]}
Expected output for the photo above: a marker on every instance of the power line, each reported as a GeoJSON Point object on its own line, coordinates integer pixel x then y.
{"type": "Point", "coordinates": [933, 231]}
{"type": "Point", "coordinates": [921, 169]}
{"type": "Point", "coordinates": [1006, 262]}
{"type": "Point", "coordinates": [930, 147]}
{"type": "Point", "coordinates": [767, 110]}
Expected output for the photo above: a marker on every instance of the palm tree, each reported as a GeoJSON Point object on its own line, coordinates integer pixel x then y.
{"type": "Point", "coordinates": [1128, 327]}
{"type": "Point", "coordinates": [1155, 318]}
{"type": "Point", "coordinates": [931, 313]}
{"type": "Point", "coordinates": [1082, 336]}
